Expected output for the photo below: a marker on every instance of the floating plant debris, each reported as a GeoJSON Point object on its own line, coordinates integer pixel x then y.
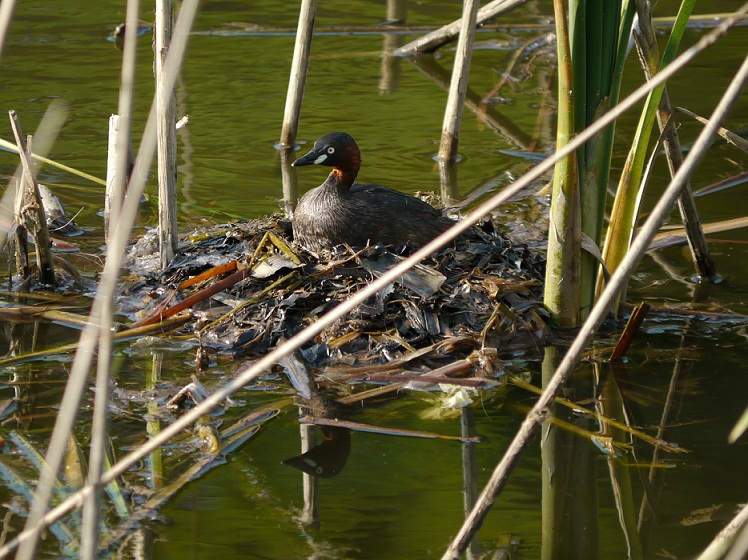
{"type": "Point", "coordinates": [482, 290]}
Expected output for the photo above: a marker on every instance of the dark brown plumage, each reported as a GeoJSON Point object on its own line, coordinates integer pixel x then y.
{"type": "Point", "coordinates": [339, 211]}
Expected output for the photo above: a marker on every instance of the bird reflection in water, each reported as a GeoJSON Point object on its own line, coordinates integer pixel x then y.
{"type": "Point", "coordinates": [328, 458]}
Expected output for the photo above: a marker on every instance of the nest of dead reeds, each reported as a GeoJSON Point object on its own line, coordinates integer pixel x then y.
{"type": "Point", "coordinates": [249, 288]}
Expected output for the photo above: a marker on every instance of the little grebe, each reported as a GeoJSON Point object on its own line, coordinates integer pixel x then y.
{"type": "Point", "coordinates": [339, 211]}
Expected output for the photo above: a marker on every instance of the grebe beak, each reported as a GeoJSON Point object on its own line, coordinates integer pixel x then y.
{"type": "Point", "coordinates": [314, 157]}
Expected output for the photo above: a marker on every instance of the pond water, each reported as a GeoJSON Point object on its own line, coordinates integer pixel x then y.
{"type": "Point", "coordinates": [397, 497]}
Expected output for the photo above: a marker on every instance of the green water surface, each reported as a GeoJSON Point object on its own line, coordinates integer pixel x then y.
{"type": "Point", "coordinates": [397, 497]}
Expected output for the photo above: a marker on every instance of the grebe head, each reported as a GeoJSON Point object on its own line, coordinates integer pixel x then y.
{"type": "Point", "coordinates": [338, 150]}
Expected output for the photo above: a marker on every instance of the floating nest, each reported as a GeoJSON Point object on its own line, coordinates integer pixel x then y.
{"type": "Point", "coordinates": [249, 288]}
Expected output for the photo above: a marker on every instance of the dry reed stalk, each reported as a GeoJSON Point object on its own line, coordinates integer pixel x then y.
{"type": "Point", "coordinates": [607, 298]}
{"type": "Point", "coordinates": [166, 108]}
{"type": "Point", "coordinates": [31, 206]}
{"type": "Point", "coordinates": [115, 254]}
{"type": "Point", "coordinates": [434, 40]}
{"type": "Point", "coordinates": [459, 83]}
{"type": "Point", "coordinates": [299, 67]}
{"type": "Point", "coordinates": [646, 43]}
{"type": "Point", "coordinates": [6, 14]}
{"type": "Point", "coordinates": [254, 370]}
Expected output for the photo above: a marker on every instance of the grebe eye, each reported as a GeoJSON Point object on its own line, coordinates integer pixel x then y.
{"type": "Point", "coordinates": [330, 150]}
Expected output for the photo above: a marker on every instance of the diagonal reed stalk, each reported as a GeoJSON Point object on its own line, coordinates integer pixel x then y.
{"type": "Point", "coordinates": [600, 310]}
{"type": "Point", "coordinates": [97, 455]}
{"type": "Point", "coordinates": [250, 372]}
{"type": "Point", "coordinates": [723, 542]}
{"type": "Point", "coordinates": [6, 14]}
{"type": "Point", "coordinates": [107, 286]}
{"type": "Point", "coordinates": [59, 106]}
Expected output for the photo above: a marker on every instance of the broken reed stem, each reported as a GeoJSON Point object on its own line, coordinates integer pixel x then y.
{"type": "Point", "coordinates": [47, 131]}
{"type": "Point", "coordinates": [296, 83]}
{"type": "Point", "coordinates": [115, 185]}
{"type": "Point", "coordinates": [31, 207]}
{"type": "Point", "coordinates": [111, 174]}
{"type": "Point", "coordinates": [21, 242]}
{"type": "Point", "coordinates": [166, 108]}
{"type": "Point", "coordinates": [123, 161]}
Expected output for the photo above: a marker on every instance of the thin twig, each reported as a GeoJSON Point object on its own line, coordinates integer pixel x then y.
{"type": "Point", "coordinates": [361, 427]}
{"type": "Point", "coordinates": [734, 139]}
{"type": "Point", "coordinates": [656, 442]}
